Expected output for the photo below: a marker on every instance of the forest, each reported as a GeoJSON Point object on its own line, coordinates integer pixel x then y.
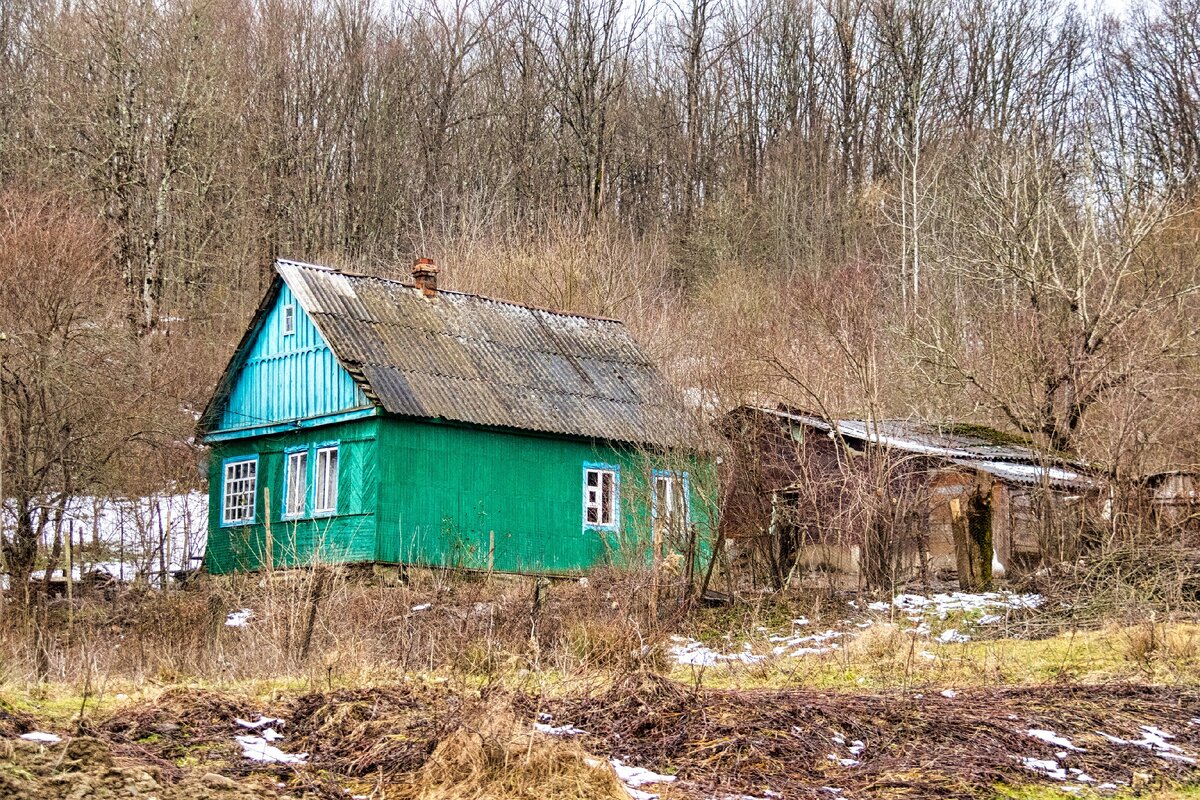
{"type": "Point", "coordinates": [983, 213]}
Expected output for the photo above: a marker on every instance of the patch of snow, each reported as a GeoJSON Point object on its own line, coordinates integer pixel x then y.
{"type": "Point", "coordinates": [952, 636]}
{"type": "Point", "coordinates": [845, 762]}
{"type": "Point", "coordinates": [41, 736]}
{"type": "Point", "coordinates": [927, 655]}
{"type": "Point", "coordinates": [944, 604]}
{"type": "Point", "coordinates": [857, 747]}
{"type": "Point", "coordinates": [421, 607]}
{"type": "Point", "coordinates": [949, 693]}
{"type": "Point", "coordinates": [256, 748]}
{"type": "Point", "coordinates": [149, 532]}
{"type": "Point", "coordinates": [813, 644]}
{"type": "Point", "coordinates": [689, 652]}
{"type": "Point", "coordinates": [634, 777]}
{"type": "Point", "coordinates": [1047, 767]}
{"type": "Point", "coordinates": [560, 730]}
{"type": "Point", "coordinates": [258, 723]}
{"type": "Point", "coordinates": [1050, 737]}
{"type": "Point", "coordinates": [638, 794]}
{"type": "Point", "coordinates": [1155, 740]}
{"type": "Point", "coordinates": [239, 618]}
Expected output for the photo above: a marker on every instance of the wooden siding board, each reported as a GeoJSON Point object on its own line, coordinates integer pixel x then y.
{"type": "Point", "coordinates": [347, 537]}
{"type": "Point", "coordinates": [288, 377]}
{"type": "Point", "coordinates": [439, 495]}
{"type": "Point", "coordinates": [447, 491]}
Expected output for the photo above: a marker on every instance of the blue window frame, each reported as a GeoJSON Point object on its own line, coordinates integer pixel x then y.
{"type": "Point", "coordinates": [601, 496]}
{"type": "Point", "coordinates": [239, 490]}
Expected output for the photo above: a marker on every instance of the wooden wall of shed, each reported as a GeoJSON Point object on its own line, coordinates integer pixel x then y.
{"type": "Point", "coordinates": [947, 485]}
{"type": "Point", "coordinates": [1027, 526]}
{"type": "Point", "coordinates": [1175, 501]}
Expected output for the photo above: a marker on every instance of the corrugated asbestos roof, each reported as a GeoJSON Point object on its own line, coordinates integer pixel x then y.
{"type": "Point", "coordinates": [473, 359]}
{"type": "Point", "coordinates": [1008, 462]}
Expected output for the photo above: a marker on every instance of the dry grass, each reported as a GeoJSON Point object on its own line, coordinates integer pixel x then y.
{"type": "Point", "coordinates": [361, 631]}
{"type": "Point", "coordinates": [497, 757]}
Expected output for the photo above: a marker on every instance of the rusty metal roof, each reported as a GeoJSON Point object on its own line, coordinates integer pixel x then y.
{"type": "Point", "coordinates": [474, 359]}
{"type": "Point", "coordinates": [970, 446]}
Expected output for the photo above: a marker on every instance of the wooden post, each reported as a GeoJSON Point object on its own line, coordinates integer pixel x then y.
{"type": "Point", "coordinates": [491, 561]}
{"type": "Point", "coordinates": [70, 575]}
{"type": "Point", "coordinates": [962, 544]}
{"type": "Point", "coordinates": [541, 589]}
{"type": "Point", "coordinates": [655, 563]}
{"type": "Point", "coordinates": [270, 559]}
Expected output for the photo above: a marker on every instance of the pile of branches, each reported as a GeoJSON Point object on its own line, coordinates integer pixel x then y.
{"type": "Point", "coordinates": [1128, 582]}
{"type": "Point", "coordinates": [960, 745]}
{"type": "Point", "coordinates": [414, 740]}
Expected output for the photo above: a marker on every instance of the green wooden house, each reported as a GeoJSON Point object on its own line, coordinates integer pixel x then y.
{"type": "Point", "coordinates": [364, 420]}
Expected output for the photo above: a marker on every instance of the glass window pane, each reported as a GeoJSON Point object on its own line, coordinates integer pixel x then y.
{"type": "Point", "coordinates": [297, 483]}
{"type": "Point", "coordinates": [606, 499]}
{"type": "Point", "coordinates": [327, 475]}
{"type": "Point", "coordinates": [239, 491]}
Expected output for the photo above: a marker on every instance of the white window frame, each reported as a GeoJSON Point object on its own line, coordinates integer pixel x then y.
{"type": "Point", "coordinates": [325, 481]}
{"type": "Point", "coordinates": [677, 487]}
{"type": "Point", "coordinates": [601, 495]}
{"type": "Point", "coordinates": [239, 491]}
{"type": "Point", "coordinates": [669, 494]}
{"type": "Point", "coordinates": [288, 323]}
{"type": "Point", "coordinates": [295, 493]}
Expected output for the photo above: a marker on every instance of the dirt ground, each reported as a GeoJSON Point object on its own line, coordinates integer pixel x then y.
{"type": "Point", "coordinates": [419, 741]}
{"type": "Point", "coordinates": [85, 767]}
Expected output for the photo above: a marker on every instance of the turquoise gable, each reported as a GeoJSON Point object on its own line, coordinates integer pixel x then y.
{"type": "Point", "coordinates": [288, 377]}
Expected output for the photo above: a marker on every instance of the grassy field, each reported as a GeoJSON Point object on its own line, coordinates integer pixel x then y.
{"type": "Point", "coordinates": [438, 692]}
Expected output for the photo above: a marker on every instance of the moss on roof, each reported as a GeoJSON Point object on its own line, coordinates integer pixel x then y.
{"type": "Point", "coordinates": [988, 434]}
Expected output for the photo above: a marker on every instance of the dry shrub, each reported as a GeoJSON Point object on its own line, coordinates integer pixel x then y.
{"type": "Point", "coordinates": [496, 757]}
{"type": "Point", "coordinates": [882, 642]}
{"type": "Point", "coordinates": [333, 628]}
{"type": "Point", "coordinates": [1151, 644]}
{"type": "Point", "coordinates": [365, 732]}
{"type": "Point", "coordinates": [610, 644]}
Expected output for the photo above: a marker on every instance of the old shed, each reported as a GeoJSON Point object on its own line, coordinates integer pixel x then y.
{"type": "Point", "coordinates": [878, 502]}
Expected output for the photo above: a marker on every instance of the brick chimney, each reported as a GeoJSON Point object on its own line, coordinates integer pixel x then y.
{"type": "Point", "coordinates": [424, 274]}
